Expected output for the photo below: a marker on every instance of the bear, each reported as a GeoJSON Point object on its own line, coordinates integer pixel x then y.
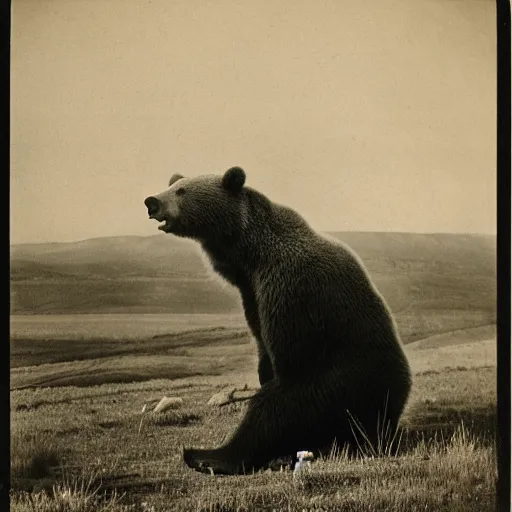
{"type": "Point", "coordinates": [331, 364]}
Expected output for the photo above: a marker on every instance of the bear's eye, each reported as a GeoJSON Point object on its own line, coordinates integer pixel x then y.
{"type": "Point", "coordinates": [180, 191]}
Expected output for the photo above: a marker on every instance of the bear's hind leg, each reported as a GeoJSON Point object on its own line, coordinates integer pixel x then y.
{"type": "Point", "coordinates": [281, 419]}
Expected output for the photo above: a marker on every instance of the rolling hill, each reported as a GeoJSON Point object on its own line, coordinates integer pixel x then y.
{"type": "Point", "coordinates": [434, 283]}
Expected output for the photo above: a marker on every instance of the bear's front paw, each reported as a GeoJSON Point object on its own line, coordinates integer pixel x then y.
{"type": "Point", "coordinates": [208, 461]}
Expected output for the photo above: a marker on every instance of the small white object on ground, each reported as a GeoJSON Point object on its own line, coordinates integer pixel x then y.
{"type": "Point", "coordinates": [303, 463]}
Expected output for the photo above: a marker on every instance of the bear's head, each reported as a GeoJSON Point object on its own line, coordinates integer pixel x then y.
{"type": "Point", "coordinates": [203, 207]}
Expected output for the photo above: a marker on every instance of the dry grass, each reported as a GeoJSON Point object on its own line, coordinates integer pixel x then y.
{"type": "Point", "coordinates": [33, 456]}
{"type": "Point", "coordinates": [79, 495]}
{"type": "Point", "coordinates": [457, 474]}
{"type": "Point", "coordinates": [84, 448]}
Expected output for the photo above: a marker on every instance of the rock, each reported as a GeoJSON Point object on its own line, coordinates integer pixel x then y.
{"type": "Point", "coordinates": [167, 403]}
{"type": "Point", "coordinates": [222, 397]}
{"type": "Point", "coordinates": [231, 394]}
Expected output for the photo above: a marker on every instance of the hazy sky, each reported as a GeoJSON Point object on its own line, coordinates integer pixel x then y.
{"type": "Point", "coordinates": [377, 115]}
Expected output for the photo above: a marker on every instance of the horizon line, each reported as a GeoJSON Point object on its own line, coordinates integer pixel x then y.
{"type": "Point", "coordinates": [432, 233]}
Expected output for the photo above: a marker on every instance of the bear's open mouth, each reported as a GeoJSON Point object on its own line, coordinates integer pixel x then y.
{"type": "Point", "coordinates": [165, 225]}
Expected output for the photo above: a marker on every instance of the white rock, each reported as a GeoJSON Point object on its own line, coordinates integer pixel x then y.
{"type": "Point", "coordinates": [167, 403]}
{"type": "Point", "coordinates": [231, 394]}
{"type": "Point", "coordinates": [222, 397]}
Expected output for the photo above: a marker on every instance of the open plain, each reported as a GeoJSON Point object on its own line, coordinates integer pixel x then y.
{"type": "Point", "coordinates": [83, 367]}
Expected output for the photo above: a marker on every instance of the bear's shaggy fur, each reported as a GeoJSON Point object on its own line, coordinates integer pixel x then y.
{"type": "Point", "coordinates": [330, 361]}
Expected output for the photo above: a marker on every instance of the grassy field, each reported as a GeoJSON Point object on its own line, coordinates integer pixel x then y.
{"type": "Point", "coordinates": [81, 443]}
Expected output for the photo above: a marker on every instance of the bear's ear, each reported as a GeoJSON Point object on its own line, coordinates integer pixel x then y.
{"type": "Point", "coordinates": [233, 179]}
{"type": "Point", "coordinates": [175, 178]}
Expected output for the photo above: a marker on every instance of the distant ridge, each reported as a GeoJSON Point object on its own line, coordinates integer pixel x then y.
{"type": "Point", "coordinates": [333, 233]}
{"type": "Point", "coordinates": [433, 282]}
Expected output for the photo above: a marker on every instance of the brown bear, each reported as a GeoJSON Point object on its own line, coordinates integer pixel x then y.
{"type": "Point", "coordinates": [331, 364]}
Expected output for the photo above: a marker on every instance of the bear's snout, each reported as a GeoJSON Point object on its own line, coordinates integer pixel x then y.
{"type": "Point", "coordinates": [153, 205]}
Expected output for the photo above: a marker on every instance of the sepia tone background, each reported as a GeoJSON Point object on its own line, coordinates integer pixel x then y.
{"type": "Point", "coordinates": [372, 116]}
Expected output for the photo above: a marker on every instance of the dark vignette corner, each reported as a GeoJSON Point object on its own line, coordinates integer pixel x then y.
{"type": "Point", "coordinates": [503, 243]}
{"type": "Point", "coordinates": [5, 467]}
